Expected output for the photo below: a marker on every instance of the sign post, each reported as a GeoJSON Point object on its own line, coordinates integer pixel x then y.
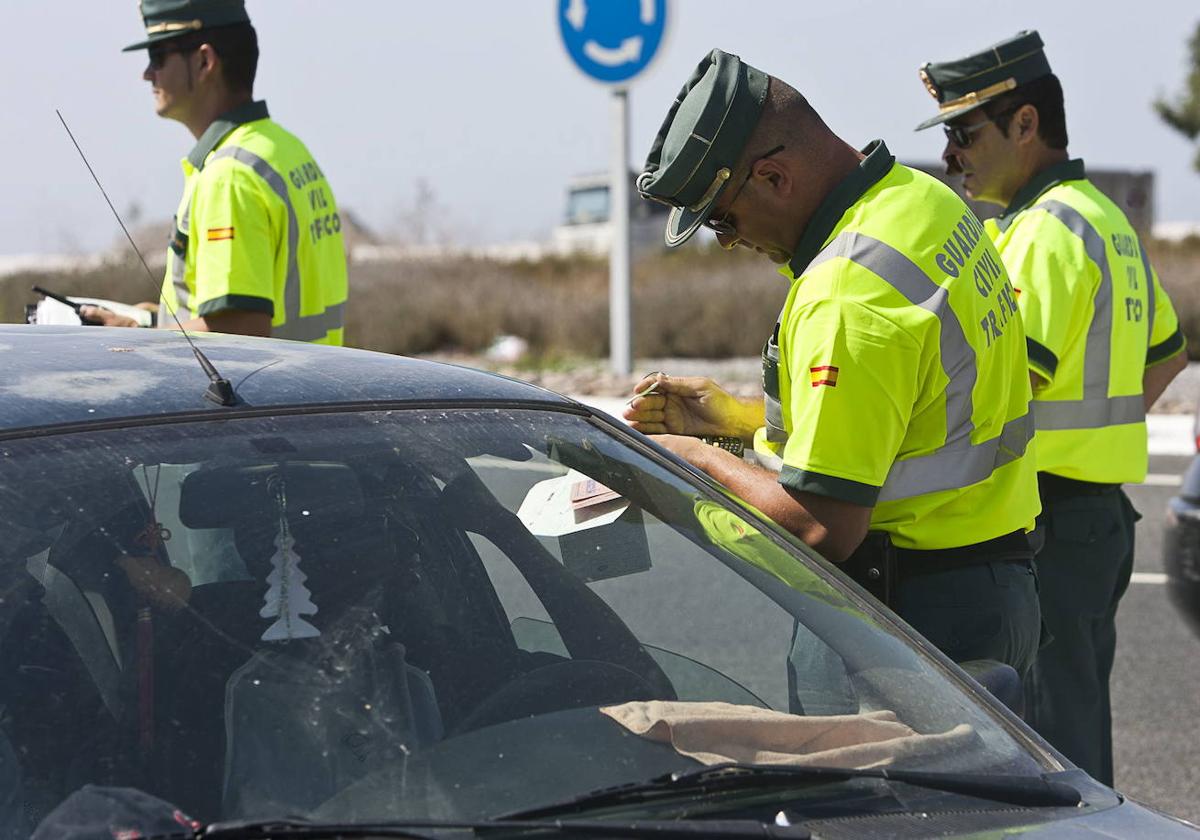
{"type": "Point", "coordinates": [613, 41]}
{"type": "Point", "coordinates": [620, 295]}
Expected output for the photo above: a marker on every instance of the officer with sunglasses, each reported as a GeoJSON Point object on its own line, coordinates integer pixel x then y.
{"type": "Point", "coordinates": [1103, 344]}
{"type": "Point", "coordinates": [257, 246]}
{"type": "Point", "coordinates": [893, 432]}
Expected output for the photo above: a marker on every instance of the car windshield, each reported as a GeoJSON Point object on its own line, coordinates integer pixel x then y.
{"type": "Point", "coordinates": [424, 614]}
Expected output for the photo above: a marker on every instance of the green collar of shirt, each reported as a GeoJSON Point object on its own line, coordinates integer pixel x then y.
{"type": "Point", "coordinates": [220, 128]}
{"type": "Point", "coordinates": [1067, 170]}
{"type": "Point", "coordinates": [877, 163]}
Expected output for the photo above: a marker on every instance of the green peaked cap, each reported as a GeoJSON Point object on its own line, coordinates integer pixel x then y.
{"type": "Point", "coordinates": [963, 85]}
{"type": "Point", "coordinates": [166, 19]}
{"type": "Point", "coordinates": [701, 141]}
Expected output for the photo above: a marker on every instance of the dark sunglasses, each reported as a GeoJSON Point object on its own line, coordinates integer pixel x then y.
{"type": "Point", "coordinates": [721, 226]}
{"type": "Point", "coordinates": [159, 54]}
{"type": "Point", "coordinates": [961, 135]}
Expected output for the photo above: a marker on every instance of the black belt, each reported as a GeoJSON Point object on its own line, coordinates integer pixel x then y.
{"type": "Point", "coordinates": [1009, 548]}
{"type": "Point", "coordinates": [1052, 486]}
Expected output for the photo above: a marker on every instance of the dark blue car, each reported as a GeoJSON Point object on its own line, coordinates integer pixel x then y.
{"type": "Point", "coordinates": [423, 600]}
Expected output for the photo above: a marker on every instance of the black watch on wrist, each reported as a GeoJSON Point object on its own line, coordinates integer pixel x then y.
{"type": "Point", "coordinates": [726, 442]}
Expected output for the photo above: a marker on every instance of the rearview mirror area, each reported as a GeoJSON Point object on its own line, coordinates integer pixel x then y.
{"type": "Point", "coordinates": [220, 497]}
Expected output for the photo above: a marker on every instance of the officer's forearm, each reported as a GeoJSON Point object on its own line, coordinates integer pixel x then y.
{"type": "Point", "coordinates": [1157, 377]}
{"type": "Point", "coordinates": [832, 527]}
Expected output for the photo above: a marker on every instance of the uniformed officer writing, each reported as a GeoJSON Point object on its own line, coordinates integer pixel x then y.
{"type": "Point", "coordinates": [257, 244]}
{"type": "Point", "coordinates": [896, 392]}
{"type": "Point", "coordinates": [1103, 344]}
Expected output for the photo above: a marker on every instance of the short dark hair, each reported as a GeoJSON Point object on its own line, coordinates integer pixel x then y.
{"type": "Point", "coordinates": [237, 46]}
{"type": "Point", "coordinates": [787, 119]}
{"type": "Point", "coordinates": [1046, 95]}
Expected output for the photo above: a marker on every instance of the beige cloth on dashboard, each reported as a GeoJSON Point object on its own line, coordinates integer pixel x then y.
{"type": "Point", "coordinates": [716, 733]}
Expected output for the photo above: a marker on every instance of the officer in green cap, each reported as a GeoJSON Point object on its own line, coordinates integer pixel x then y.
{"type": "Point", "coordinates": [891, 404]}
{"type": "Point", "coordinates": [1103, 344]}
{"type": "Point", "coordinates": [257, 246]}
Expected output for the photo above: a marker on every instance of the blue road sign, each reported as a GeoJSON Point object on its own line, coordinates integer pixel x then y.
{"type": "Point", "coordinates": [612, 40]}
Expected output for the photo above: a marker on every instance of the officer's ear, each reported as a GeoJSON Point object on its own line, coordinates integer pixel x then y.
{"type": "Point", "coordinates": [773, 171]}
{"type": "Point", "coordinates": [208, 62]}
{"type": "Point", "coordinates": [1024, 126]}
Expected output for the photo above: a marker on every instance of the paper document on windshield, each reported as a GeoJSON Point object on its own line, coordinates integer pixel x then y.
{"type": "Point", "coordinates": [718, 733]}
{"type": "Point", "coordinates": [569, 503]}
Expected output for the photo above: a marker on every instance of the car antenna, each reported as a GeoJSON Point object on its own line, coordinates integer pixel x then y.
{"type": "Point", "coordinates": [219, 390]}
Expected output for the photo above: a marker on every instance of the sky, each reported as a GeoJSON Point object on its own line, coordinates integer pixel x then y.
{"type": "Point", "coordinates": [478, 99]}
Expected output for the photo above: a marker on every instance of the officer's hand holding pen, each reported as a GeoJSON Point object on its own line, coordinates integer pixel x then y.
{"type": "Point", "coordinates": [682, 405]}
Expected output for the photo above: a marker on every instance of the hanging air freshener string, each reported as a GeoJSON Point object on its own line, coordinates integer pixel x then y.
{"type": "Point", "coordinates": [155, 533]}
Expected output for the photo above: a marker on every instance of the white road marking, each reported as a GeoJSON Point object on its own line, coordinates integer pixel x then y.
{"type": "Point", "coordinates": [1171, 434]}
{"type": "Point", "coordinates": [1163, 480]}
{"type": "Point", "coordinates": [1148, 577]}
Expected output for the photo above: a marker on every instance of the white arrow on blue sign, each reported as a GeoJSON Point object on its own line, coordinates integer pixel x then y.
{"type": "Point", "coordinates": [612, 40]}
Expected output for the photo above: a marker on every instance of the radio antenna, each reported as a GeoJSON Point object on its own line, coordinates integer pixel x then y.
{"type": "Point", "coordinates": [219, 389]}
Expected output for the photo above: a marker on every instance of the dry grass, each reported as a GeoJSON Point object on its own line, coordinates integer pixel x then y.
{"type": "Point", "coordinates": [695, 303]}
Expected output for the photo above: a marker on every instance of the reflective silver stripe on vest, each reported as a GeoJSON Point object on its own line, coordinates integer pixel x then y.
{"type": "Point", "coordinates": [957, 462]}
{"type": "Point", "coordinates": [295, 326]}
{"type": "Point", "coordinates": [1096, 409]}
{"type": "Point", "coordinates": [1055, 415]}
{"type": "Point", "coordinates": [183, 298]}
{"type": "Point", "coordinates": [950, 468]}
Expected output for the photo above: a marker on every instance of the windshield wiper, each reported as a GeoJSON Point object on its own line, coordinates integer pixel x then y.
{"type": "Point", "coordinates": [262, 829]}
{"type": "Point", "coordinates": [435, 830]}
{"type": "Point", "coordinates": [1032, 791]}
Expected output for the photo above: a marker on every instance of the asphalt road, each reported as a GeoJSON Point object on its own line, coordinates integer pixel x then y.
{"type": "Point", "coordinates": [1156, 679]}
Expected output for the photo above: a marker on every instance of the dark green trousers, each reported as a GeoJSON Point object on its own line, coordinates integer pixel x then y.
{"type": "Point", "coordinates": [985, 611]}
{"type": "Point", "coordinates": [1083, 570]}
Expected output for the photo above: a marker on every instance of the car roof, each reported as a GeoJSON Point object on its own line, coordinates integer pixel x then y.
{"type": "Point", "coordinates": [52, 376]}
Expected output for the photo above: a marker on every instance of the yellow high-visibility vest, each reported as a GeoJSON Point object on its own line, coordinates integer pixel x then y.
{"type": "Point", "coordinates": [1095, 317]}
{"type": "Point", "coordinates": [897, 376]}
{"type": "Point", "coordinates": [257, 229]}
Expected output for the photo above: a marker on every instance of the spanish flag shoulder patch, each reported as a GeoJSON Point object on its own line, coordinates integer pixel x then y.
{"type": "Point", "coordinates": [217, 234]}
{"type": "Point", "coordinates": [824, 375]}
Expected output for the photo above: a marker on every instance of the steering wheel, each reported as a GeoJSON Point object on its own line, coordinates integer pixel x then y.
{"type": "Point", "coordinates": [570, 684]}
